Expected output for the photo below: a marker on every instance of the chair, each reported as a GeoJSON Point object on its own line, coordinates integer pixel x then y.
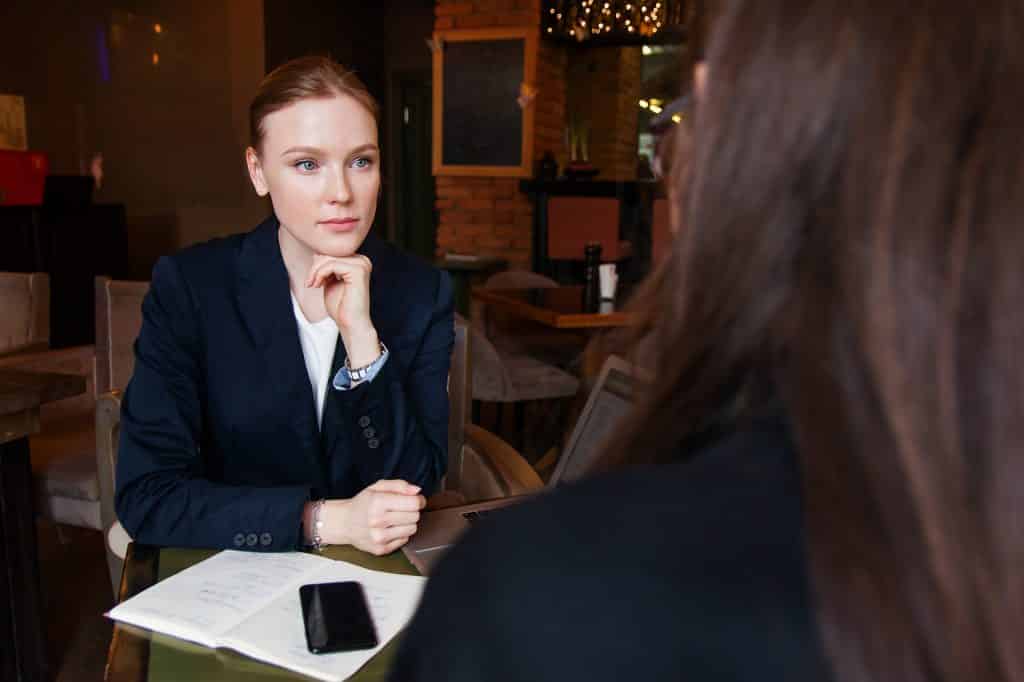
{"type": "Point", "coordinates": [573, 222]}
{"type": "Point", "coordinates": [517, 336]}
{"type": "Point", "coordinates": [459, 402]}
{"type": "Point", "coordinates": [481, 466]}
{"type": "Point", "coordinates": [514, 378]}
{"type": "Point", "coordinates": [64, 450]}
{"type": "Point", "coordinates": [118, 321]}
{"type": "Point", "coordinates": [24, 312]}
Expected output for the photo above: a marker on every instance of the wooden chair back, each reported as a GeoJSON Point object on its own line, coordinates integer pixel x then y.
{"type": "Point", "coordinates": [118, 321]}
{"type": "Point", "coordinates": [460, 400]}
{"type": "Point", "coordinates": [573, 222]}
{"type": "Point", "coordinates": [24, 312]}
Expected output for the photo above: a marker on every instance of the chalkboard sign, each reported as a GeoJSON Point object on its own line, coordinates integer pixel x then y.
{"type": "Point", "coordinates": [483, 105]}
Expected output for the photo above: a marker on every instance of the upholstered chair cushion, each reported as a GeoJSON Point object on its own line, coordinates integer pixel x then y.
{"type": "Point", "coordinates": [24, 311]}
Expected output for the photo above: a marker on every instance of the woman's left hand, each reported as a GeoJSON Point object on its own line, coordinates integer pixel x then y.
{"type": "Point", "coordinates": [346, 285]}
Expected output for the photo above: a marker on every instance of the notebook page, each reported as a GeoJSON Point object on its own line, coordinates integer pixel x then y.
{"type": "Point", "coordinates": [276, 634]}
{"type": "Point", "coordinates": [209, 598]}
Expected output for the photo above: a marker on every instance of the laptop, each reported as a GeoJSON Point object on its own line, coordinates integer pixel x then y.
{"type": "Point", "coordinates": [610, 400]}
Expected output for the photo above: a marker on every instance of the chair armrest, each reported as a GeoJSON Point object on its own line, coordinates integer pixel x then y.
{"type": "Point", "coordinates": [108, 430]}
{"type": "Point", "coordinates": [492, 468]}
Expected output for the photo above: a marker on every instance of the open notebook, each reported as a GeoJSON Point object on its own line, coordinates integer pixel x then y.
{"type": "Point", "coordinates": [249, 602]}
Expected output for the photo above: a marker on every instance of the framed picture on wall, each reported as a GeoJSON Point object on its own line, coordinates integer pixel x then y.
{"type": "Point", "coordinates": [13, 133]}
{"type": "Point", "coordinates": [484, 88]}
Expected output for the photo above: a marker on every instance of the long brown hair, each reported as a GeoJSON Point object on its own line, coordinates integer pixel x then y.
{"type": "Point", "coordinates": [853, 238]}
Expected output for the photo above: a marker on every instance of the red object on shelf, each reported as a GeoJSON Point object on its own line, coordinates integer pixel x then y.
{"type": "Point", "coordinates": [22, 177]}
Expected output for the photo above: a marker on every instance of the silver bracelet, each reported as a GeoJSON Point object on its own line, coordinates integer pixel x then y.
{"type": "Point", "coordinates": [358, 374]}
{"type": "Point", "coordinates": [318, 541]}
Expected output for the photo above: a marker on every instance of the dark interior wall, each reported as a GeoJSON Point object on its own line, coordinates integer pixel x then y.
{"type": "Point", "coordinates": [171, 129]}
{"type": "Point", "coordinates": [352, 33]}
{"type": "Point", "coordinates": [377, 39]}
{"type": "Point", "coordinates": [47, 56]}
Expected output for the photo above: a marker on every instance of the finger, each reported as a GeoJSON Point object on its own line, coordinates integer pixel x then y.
{"type": "Point", "coordinates": [382, 536]}
{"type": "Point", "coordinates": [390, 502]}
{"type": "Point", "coordinates": [320, 272]}
{"type": "Point", "coordinates": [381, 550]}
{"type": "Point", "coordinates": [342, 268]}
{"type": "Point", "coordinates": [398, 518]}
{"type": "Point", "coordinates": [395, 485]}
{"type": "Point", "coordinates": [327, 270]}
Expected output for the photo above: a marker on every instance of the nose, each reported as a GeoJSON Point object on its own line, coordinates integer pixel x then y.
{"type": "Point", "coordinates": [340, 192]}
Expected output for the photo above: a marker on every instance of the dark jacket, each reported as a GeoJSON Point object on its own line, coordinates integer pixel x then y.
{"type": "Point", "coordinates": [691, 572]}
{"type": "Point", "coordinates": [220, 445]}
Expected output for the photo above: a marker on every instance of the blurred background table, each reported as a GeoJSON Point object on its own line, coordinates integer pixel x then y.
{"type": "Point", "coordinates": [557, 307]}
{"type": "Point", "coordinates": [22, 636]}
{"type": "Point", "coordinates": [464, 270]}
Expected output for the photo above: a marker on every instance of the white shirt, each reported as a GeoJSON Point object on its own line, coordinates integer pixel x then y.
{"type": "Point", "coordinates": [319, 341]}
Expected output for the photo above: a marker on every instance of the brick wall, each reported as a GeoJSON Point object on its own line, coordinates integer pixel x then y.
{"type": "Point", "coordinates": [488, 215]}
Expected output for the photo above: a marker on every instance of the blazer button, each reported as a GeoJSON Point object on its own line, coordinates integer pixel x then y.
{"type": "Point", "coordinates": [266, 539]}
{"type": "Point", "coordinates": [239, 539]}
{"type": "Point", "coordinates": [251, 539]}
{"type": "Point", "coordinates": [364, 422]}
{"type": "Point", "coordinates": [373, 443]}
{"type": "Point", "coordinates": [369, 433]}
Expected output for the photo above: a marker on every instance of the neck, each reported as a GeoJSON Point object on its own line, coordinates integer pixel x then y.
{"type": "Point", "coordinates": [298, 259]}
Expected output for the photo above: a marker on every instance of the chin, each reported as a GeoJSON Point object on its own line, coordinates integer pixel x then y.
{"type": "Point", "coordinates": [340, 245]}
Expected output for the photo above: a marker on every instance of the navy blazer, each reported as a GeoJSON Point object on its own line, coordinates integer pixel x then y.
{"type": "Point", "coordinates": [220, 445]}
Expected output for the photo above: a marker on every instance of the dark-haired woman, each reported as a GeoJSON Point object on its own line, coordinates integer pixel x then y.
{"type": "Point", "coordinates": [847, 290]}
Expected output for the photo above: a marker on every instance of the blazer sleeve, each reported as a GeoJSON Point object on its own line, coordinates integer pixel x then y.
{"type": "Point", "coordinates": [162, 495]}
{"type": "Point", "coordinates": [399, 424]}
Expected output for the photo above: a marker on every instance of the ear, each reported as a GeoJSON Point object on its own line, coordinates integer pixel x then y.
{"type": "Point", "coordinates": [252, 162]}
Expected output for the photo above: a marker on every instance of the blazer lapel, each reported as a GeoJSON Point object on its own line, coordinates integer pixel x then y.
{"type": "Point", "coordinates": [333, 424]}
{"type": "Point", "coordinates": [265, 300]}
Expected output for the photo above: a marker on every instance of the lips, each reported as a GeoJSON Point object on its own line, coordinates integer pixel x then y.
{"type": "Point", "coordinates": [339, 224]}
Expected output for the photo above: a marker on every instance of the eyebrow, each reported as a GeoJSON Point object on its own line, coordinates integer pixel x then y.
{"type": "Point", "coordinates": [316, 150]}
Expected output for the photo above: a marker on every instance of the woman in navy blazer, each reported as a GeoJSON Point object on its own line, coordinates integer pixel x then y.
{"type": "Point", "coordinates": [238, 431]}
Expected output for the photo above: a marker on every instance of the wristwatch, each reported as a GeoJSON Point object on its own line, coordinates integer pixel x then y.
{"type": "Point", "coordinates": [348, 377]}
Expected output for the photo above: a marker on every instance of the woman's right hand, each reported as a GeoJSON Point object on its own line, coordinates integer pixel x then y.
{"type": "Point", "coordinates": [378, 520]}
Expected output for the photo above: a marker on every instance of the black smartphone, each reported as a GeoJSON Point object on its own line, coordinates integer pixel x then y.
{"type": "Point", "coordinates": [337, 617]}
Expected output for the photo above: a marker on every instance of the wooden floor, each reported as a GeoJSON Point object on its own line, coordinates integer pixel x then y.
{"type": "Point", "coordinates": [76, 594]}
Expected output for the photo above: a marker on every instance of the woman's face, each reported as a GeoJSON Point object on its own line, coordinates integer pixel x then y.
{"type": "Point", "coordinates": [320, 164]}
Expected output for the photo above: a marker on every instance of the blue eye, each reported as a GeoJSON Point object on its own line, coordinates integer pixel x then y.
{"type": "Point", "coordinates": [362, 162]}
{"type": "Point", "coordinates": [307, 165]}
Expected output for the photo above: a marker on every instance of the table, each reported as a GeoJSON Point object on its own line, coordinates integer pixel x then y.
{"type": "Point", "coordinates": [556, 307]}
{"type": "Point", "coordinates": [463, 270]}
{"type": "Point", "coordinates": [138, 655]}
{"type": "Point", "coordinates": [22, 630]}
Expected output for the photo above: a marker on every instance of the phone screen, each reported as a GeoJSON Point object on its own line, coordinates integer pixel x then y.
{"type": "Point", "coordinates": [336, 617]}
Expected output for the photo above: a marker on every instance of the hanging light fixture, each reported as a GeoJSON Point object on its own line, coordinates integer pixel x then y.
{"type": "Point", "coordinates": [615, 22]}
